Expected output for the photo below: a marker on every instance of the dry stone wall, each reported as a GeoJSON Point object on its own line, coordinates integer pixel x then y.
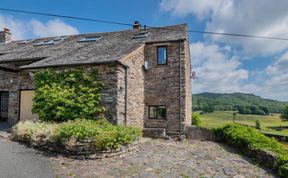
{"type": "Point", "coordinates": [13, 82]}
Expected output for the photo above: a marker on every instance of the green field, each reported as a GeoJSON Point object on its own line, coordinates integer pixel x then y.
{"type": "Point", "coordinates": [269, 124]}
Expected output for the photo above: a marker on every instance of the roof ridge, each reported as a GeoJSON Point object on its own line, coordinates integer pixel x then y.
{"type": "Point", "coordinates": [118, 31]}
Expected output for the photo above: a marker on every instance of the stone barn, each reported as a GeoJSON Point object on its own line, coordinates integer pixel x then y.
{"type": "Point", "coordinates": [146, 72]}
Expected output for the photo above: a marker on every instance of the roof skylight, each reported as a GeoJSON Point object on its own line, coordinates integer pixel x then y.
{"type": "Point", "coordinates": [25, 41]}
{"type": "Point", "coordinates": [141, 35]}
{"type": "Point", "coordinates": [90, 38]}
{"type": "Point", "coordinates": [51, 42]}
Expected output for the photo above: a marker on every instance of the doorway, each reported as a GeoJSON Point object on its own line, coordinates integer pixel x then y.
{"type": "Point", "coordinates": [4, 101]}
{"type": "Point", "coordinates": [26, 104]}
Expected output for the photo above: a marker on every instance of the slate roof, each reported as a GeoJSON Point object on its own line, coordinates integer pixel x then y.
{"type": "Point", "coordinates": [113, 46]}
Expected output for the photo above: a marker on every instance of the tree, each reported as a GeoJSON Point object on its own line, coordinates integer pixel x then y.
{"type": "Point", "coordinates": [258, 124]}
{"type": "Point", "coordinates": [234, 116]}
{"type": "Point", "coordinates": [285, 113]}
{"type": "Point", "coordinates": [208, 108]}
{"type": "Point", "coordinates": [265, 109]}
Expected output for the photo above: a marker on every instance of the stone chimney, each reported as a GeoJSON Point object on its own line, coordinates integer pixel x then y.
{"type": "Point", "coordinates": [136, 25]}
{"type": "Point", "coordinates": [5, 36]}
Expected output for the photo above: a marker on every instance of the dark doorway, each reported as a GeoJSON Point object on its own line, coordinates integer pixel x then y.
{"type": "Point", "coordinates": [4, 99]}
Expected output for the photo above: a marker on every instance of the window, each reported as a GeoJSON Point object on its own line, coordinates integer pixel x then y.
{"type": "Point", "coordinates": [24, 41]}
{"type": "Point", "coordinates": [51, 42]}
{"type": "Point", "coordinates": [90, 39]}
{"type": "Point", "coordinates": [162, 55]}
{"type": "Point", "coordinates": [157, 112]}
{"type": "Point", "coordinates": [141, 35]}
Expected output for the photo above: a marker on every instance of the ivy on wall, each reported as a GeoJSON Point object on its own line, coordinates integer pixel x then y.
{"type": "Point", "coordinates": [67, 95]}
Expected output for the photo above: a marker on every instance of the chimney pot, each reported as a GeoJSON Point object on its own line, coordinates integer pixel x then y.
{"type": "Point", "coordinates": [136, 25]}
{"type": "Point", "coordinates": [5, 36]}
{"type": "Point", "coordinates": [6, 30]}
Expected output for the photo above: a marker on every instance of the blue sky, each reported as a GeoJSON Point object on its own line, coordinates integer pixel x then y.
{"type": "Point", "coordinates": [222, 64]}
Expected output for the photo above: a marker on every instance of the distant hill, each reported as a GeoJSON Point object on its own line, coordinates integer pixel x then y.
{"type": "Point", "coordinates": [244, 103]}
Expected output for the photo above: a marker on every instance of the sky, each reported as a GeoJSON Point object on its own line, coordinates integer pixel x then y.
{"type": "Point", "coordinates": [222, 64]}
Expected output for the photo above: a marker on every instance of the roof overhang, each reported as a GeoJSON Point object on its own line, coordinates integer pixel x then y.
{"type": "Point", "coordinates": [70, 65]}
{"type": "Point", "coordinates": [34, 59]}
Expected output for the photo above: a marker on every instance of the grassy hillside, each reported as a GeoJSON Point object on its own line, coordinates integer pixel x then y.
{"type": "Point", "coordinates": [236, 101]}
{"type": "Point", "coordinates": [268, 123]}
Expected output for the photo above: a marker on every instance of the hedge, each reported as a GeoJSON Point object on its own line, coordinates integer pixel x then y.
{"type": "Point", "coordinates": [249, 139]}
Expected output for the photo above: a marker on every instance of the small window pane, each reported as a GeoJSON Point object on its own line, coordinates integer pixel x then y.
{"type": "Point", "coordinates": [161, 112]}
{"type": "Point", "coordinates": [157, 112]}
{"type": "Point", "coordinates": [162, 55]}
{"type": "Point", "coordinates": [152, 112]}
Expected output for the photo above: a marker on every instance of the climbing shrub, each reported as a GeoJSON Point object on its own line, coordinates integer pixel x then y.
{"type": "Point", "coordinates": [67, 95]}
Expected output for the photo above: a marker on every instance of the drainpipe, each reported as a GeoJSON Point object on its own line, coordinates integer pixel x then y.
{"type": "Point", "coordinates": [180, 92]}
{"type": "Point", "coordinates": [126, 94]}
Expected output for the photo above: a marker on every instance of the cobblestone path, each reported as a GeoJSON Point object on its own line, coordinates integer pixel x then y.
{"type": "Point", "coordinates": [170, 159]}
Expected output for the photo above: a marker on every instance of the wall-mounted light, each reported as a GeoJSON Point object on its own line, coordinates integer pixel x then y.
{"type": "Point", "coordinates": [11, 81]}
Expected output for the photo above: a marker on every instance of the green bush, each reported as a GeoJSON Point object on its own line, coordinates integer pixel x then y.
{"type": "Point", "coordinates": [196, 119]}
{"type": "Point", "coordinates": [257, 124]}
{"type": "Point", "coordinates": [67, 95]}
{"type": "Point", "coordinates": [29, 131]}
{"type": "Point", "coordinates": [105, 135]}
{"type": "Point", "coordinates": [101, 133]}
{"type": "Point", "coordinates": [283, 170]}
{"type": "Point", "coordinates": [249, 139]}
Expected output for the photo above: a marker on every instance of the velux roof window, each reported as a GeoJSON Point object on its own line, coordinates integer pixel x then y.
{"type": "Point", "coordinates": [90, 38]}
{"type": "Point", "coordinates": [141, 35]}
{"type": "Point", "coordinates": [51, 42]}
{"type": "Point", "coordinates": [25, 41]}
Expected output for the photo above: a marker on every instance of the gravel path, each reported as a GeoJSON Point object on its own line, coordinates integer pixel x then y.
{"type": "Point", "coordinates": [160, 158]}
{"type": "Point", "coordinates": [18, 161]}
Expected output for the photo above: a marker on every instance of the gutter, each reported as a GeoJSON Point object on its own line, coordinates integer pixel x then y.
{"type": "Point", "coordinates": [180, 92]}
{"type": "Point", "coordinates": [70, 65]}
{"type": "Point", "coordinates": [126, 94]}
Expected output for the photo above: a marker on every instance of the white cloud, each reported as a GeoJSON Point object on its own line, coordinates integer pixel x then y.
{"type": "Point", "coordinates": [35, 28]}
{"type": "Point", "coordinates": [275, 84]}
{"type": "Point", "coordinates": [257, 17]}
{"type": "Point", "coordinates": [216, 72]}
{"type": "Point", "coordinates": [222, 73]}
{"type": "Point", "coordinates": [279, 67]}
{"type": "Point", "coordinates": [183, 7]}
{"type": "Point", "coordinates": [17, 27]}
{"type": "Point", "coordinates": [52, 28]}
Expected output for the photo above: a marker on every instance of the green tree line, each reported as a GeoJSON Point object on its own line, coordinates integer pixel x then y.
{"type": "Point", "coordinates": [243, 103]}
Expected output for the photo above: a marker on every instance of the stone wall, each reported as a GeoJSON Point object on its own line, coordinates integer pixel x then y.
{"type": "Point", "coordinates": [162, 86]}
{"type": "Point", "coordinates": [135, 87]}
{"type": "Point", "coordinates": [14, 82]}
{"type": "Point", "coordinates": [196, 133]}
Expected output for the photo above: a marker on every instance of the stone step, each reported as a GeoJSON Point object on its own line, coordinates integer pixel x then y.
{"type": "Point", "coordinates": [154, 132]}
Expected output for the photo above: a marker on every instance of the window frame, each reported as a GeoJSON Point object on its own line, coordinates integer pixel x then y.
{"type": "Point", "coordinates": [156, 106]}
{"type": "Point", "coordinates": [166, 47]}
